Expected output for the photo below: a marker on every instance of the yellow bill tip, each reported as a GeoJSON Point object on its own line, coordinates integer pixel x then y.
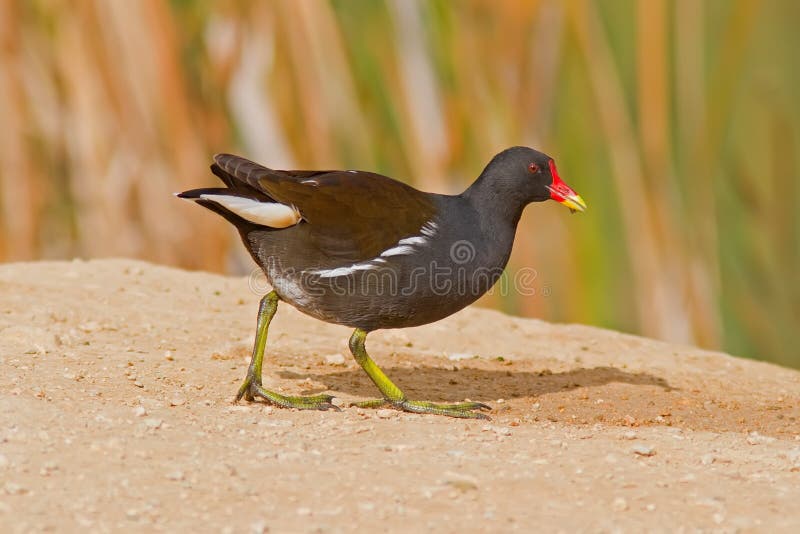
{"type": "Point", "coordinates": [574, 202]}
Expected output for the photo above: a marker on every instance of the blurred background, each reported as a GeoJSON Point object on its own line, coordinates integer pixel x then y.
{"type": "Point", "coordinates": [678, 121]}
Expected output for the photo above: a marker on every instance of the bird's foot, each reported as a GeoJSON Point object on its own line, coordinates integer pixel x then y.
{"type": "Point", "coordinates": [463, 410]}
{"type": "Point", "coordinates": [252, 389]}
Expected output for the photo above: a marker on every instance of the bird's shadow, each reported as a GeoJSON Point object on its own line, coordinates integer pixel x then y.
{"type": "Point", "coordinates": [440, 384]}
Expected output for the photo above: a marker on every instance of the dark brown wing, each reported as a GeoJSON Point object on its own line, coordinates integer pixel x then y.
{"type": "Point", "coordinates": [351, 215]}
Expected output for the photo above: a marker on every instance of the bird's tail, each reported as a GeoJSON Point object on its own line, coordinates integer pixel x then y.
{"type": "Point", "coordinates": [241, 209]}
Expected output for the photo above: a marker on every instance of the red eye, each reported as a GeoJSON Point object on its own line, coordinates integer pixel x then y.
{"type": "Point", "coordinates": [533, 168]}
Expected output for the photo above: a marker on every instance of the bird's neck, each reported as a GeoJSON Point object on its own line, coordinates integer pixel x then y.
{"type": "Point", "coordinates": [496, 203]}
{"type": "Point", "coordinates": [497, 217]}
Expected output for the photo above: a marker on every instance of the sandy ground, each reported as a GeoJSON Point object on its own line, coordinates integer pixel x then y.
{"type": "Point", "coordinates": [116, 380]}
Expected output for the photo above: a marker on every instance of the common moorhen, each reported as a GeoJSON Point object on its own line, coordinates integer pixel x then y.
{"type": "Point", "coordinates": [366, 251]}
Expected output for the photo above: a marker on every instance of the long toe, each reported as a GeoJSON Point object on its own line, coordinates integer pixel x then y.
{"type": "Point", "coordinates": [458, 406]}
{"type": "Point", "coordinates": [464, 410]}
{"type": "Point", "coordinates": [316, 402]}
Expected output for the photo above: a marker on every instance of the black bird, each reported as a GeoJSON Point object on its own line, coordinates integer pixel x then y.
{"type": "Point", "coordinates": [363, 250]}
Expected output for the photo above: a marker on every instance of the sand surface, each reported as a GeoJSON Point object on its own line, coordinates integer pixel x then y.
{"type": "Point", "coordinates": [116, 381]}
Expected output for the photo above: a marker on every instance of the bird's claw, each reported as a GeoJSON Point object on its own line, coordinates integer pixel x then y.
{"type": "Point", "coordinates": [252, 389]}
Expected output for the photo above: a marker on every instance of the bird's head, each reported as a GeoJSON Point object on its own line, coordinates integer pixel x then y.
{"type": "Point", "coordinates": [527, 175]}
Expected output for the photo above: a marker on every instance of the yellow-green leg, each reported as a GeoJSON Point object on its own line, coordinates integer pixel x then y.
{"type": "Point", "coordinates": [393, 396]}
{"type": "Point", "coordinates": [251, 388]}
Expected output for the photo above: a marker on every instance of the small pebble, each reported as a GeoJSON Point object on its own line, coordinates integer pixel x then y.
{"type": "Point", "coordinates": [499, 430]}
{"type": "Point", "coordinates": [283, 456]}
{"type": "Point", "coordinates": [644, 450]}
{"type": "Point", "coordinates": [153, 423]}
{"type": "Point", "coordinates": [630, 434]}
{"type": "Point", "coordinates": [707, 459]}
{"type": "Point", "coordinates": [461, 482]}
{"type": "Point", "coordinates": [177, 401]}
{"type": "Point", "coordinates": [48, 468]}
{"type": "Point", "coordinates": [386, 413]}
{"type": "Point", "coordinates": [304, 511]}
{"type": "Point", "coordinates": [89, 326]}
{"type": "Point", "coordinates": [335, 359]}
{"type": "Point", "coordinates": [12, 488]}
{"type": "Point", "coordinates": [619, 504]}
{"type": "Point", "coordinates": [176, 475]}
{"type": "Point", "coordinates": [629, 420]}
{"type": "Point", "coordinates": [754, 438]}
{"type": "Point", "coordinates": [138, 384]}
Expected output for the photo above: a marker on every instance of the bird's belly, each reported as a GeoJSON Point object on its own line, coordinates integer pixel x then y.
{"type": "Point", "coordinates": [386, 297]}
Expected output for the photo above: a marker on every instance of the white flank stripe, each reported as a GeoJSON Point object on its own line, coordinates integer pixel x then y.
{"type": "Point", "coordinates": [429, 229]}
{"type": "Point", "coordinates": [397, 251]}
{"type": "Point", "coordinates": [344, 271]}
{"type": "Point", "coordinates": [331, 273]}
{"type": "Point", "coordinates": [412, 241]}
{"type": "Point", "coordinates": [272, 214]}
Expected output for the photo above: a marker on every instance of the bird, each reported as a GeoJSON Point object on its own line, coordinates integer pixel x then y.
{"type": "Point", "coordinates": [363, 250]}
